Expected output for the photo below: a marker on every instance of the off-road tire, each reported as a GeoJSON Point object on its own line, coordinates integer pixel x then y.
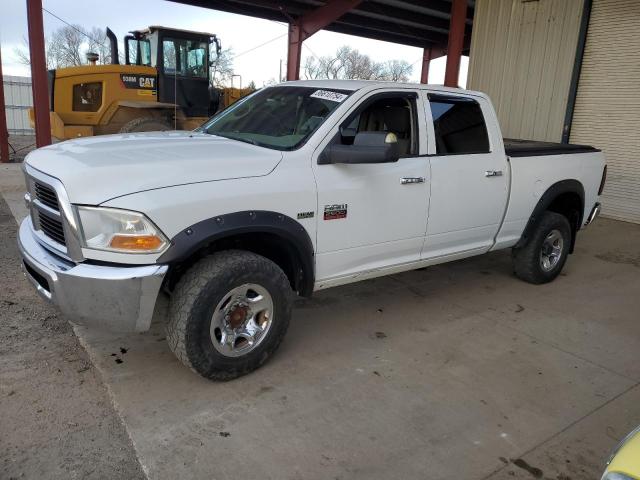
{"type": "Point", "coordinates": [145, 124]}
{"type": "Point", "coordinates": [526, 259]}
{"type": "Point", "coordinates": [195, 298]}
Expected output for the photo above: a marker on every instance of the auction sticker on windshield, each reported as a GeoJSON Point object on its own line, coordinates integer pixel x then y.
{"type": "Point", "coordinates": [329, 95]}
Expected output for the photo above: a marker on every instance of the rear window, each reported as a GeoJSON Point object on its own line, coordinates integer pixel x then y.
{"type": "Point", "coordinates": [459, 125]}
{"type": "Point", "coordinates": [87, 97]}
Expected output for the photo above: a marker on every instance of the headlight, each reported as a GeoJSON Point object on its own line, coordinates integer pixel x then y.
{"type": "Point", "coordinates": [121, 231]}
{"type": "Point", "coordinates": [615, 476]}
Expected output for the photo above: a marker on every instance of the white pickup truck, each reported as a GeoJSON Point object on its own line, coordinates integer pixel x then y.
{"type": "Point", "coordinates": [296, 188]}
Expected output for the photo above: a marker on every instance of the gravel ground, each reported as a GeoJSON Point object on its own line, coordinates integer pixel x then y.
{"type": "Point", "coordinates": [56, 418]}
{"type": "Point", "coordinates": [19, 146]}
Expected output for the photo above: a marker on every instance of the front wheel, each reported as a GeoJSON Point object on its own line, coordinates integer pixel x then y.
{"type": "Point", "coordinates": [542, 258]}
{"type": "Point", "coordinates": [228, 314]}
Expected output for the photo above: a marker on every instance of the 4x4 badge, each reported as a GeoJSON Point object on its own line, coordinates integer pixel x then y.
{"type": "Point", "coordinates": [335, 212]}
{"type": "Point", "coordinates": [303, 215]}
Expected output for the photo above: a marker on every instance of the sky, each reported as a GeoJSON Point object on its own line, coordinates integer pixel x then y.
{"type": "Point", "coordinates": [254, 60]}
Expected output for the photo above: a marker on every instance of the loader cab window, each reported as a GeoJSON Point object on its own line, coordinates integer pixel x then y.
{"type": "Point", "coordinates": [458, 125]}
{"type": "Point", "coordinates": [144, 53]}
{"type": "Point", "coordinates": [394, 114]}
{"type": "Point", "coordinates": [87, 97]}
{"type": "Point", "coordinates": [185, 58]}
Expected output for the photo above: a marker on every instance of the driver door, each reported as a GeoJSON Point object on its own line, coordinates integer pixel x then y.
{"type": "Point", "coordinates": [373, 216]}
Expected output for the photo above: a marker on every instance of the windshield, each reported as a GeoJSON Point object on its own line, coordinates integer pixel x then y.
{"type": "Point", "coordinates": [281, 118]}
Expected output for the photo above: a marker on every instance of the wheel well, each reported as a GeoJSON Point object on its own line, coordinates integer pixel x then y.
{"type": "Point", "coordinates": [565, 197]}
{"type": "Point", "coordinates": [569, 204]}
{"type": "Point", "coordinates": [279, 250]}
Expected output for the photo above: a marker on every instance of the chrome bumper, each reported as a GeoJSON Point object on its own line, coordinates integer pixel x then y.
{"type": "Point", "coordinates": [111, 298]}
{"type": "Point", "coordinates": [595, 211]}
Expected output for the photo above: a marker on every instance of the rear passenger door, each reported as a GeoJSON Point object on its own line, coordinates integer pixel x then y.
{"type": "Point", "coordinates": [469, 175]}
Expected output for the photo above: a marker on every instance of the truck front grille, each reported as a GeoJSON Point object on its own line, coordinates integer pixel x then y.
{"type": "Point", "coordinates": [51, 227]}
{"type": "Point", "coordinates": [47, 217]}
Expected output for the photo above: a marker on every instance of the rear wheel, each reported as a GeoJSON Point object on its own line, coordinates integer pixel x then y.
{"type": "Point", "coordinates": [145, 124]}
{"type": "Point", "coordinates": [542, 258]}
{"type": "Point", "coordinates": [228, 314]}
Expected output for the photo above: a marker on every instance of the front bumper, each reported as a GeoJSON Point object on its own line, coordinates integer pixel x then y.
{"type": "Point", "coordinates": [111, 298]}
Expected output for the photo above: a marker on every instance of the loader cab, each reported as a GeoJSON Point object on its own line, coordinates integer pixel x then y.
{"type": "Point", "coordinates": [182, 59]}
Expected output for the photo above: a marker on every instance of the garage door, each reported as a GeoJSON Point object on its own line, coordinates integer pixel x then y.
{"type": "Point", "coordinates": [607, 111]}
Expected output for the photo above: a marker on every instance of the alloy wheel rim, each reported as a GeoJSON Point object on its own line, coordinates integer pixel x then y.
{"type": "Point", "coordinates": [551, 250]}
{"type": "Point", "coordinates": [241, 320]}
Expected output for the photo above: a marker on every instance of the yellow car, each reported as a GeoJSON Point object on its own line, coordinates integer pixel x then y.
{"type": "Point", "coordinates": [624, 462]}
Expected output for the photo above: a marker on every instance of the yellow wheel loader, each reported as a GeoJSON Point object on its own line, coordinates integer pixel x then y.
{"type": "Point", "coordinates": [164, 84]}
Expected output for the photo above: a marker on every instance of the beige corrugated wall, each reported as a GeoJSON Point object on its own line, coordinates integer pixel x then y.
{"type": "Point", "coordinates": [522, 55]}
{"type": "Point", "coordinates": [607, 111]}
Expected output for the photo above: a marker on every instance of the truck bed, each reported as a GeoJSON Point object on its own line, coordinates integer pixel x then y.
{"type": "Point", "coordinates": [532, 148]}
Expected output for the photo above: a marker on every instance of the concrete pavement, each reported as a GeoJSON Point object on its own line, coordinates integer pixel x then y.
{"type": "Point", "coordinates": [455, 371]}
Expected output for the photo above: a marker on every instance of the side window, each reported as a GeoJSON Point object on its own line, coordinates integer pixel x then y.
{"type": "Point", "coordinates": [459, 125]}
{"type": "Point", "coordinates": [87, 97]}
{"type": "Point", "coordinates": [395, 114]}
{"type": "Point", "coordinates": [169, 56]}
{"type": "Point", "coordinates": [145, 53]}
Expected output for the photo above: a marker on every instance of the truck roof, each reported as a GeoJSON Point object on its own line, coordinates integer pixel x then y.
{"type": "Point", "coordinates": [360, 84]}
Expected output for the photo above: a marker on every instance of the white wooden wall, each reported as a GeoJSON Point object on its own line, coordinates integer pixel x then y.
{"type": "Point", "coordinates": [18, 98]}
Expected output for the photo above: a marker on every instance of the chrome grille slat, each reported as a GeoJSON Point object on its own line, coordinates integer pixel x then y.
{"type": "Point", "coordinates": [46, 195]}
{"type": "Point", "coordinates": [52, 228]}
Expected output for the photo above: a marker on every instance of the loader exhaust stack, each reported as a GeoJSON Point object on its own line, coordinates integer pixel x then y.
{"type": "Point", "coordinates": [113, 41]}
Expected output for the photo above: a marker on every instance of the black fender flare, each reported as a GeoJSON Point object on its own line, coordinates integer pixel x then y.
{"type": "Point", "coordinates": [196, 237]}
{"type": "Point", "coordinates": [545, 201]}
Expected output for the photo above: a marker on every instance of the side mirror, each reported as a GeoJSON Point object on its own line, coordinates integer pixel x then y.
{"type": "Point", "coordinates": [215, 42]}
{"type": "Point", "coordinates": [368, 147]}
{"type": "Point", "coordinates": [348, 135]}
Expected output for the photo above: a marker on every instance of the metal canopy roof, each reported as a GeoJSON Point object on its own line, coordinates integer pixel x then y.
{"type": "Point", "coordinates": [418, 23]}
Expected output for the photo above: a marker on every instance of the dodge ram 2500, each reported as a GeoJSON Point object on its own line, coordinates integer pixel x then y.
{"type": "Point", "coordinates": [296, 188]}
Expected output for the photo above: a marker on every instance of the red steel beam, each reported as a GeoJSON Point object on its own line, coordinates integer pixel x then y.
{"type": "Point", "coordinates": [4, 134]}
{"type": "Point", "coordinates": [456, 42]}
{"type": "Point", "coordinates": [294, 52]}
{"type": "Point", "coordinates": [38, 73]}
{"type": "Point", "coordinates": [426, 60]}
{"type": "Point", "coordinates": [308, 24]}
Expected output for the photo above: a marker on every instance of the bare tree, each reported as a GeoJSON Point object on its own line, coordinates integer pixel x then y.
{"type": "Point", "coordinates": [222, 69]}
{"type": "Point", "coordinates": [397, 70]}
{"type": "Point", "coordinates": [348, 63]}
{"type": "Point", "coordinates": [22, 53]}
{"type": "Point", "coordinates": [68, 46]}
{"type": "Point", "coordinates": [99, 43]}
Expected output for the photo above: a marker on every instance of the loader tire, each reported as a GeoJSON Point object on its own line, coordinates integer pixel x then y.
{"type": "Point", "coordinates": [145, 124]}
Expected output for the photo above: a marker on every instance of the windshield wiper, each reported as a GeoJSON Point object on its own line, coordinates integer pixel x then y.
{"type": "Point", "coordinates": [244, 140]}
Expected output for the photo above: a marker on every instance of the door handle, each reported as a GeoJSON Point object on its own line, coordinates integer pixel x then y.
{"type": "Point", "coordinates": [410, 180]}
{"type": "Point", "coordinates": [493, 173]}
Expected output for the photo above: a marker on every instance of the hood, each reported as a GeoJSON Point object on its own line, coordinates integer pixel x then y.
{"type": "Point", "coordinates": [96, 169]}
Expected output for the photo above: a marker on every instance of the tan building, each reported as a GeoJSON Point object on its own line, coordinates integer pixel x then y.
{"type": "Point", "coordinates": [567, 70]}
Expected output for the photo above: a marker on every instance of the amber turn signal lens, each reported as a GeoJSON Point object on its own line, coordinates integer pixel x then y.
{"type": "Point", "coordinates": [136, 242]}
